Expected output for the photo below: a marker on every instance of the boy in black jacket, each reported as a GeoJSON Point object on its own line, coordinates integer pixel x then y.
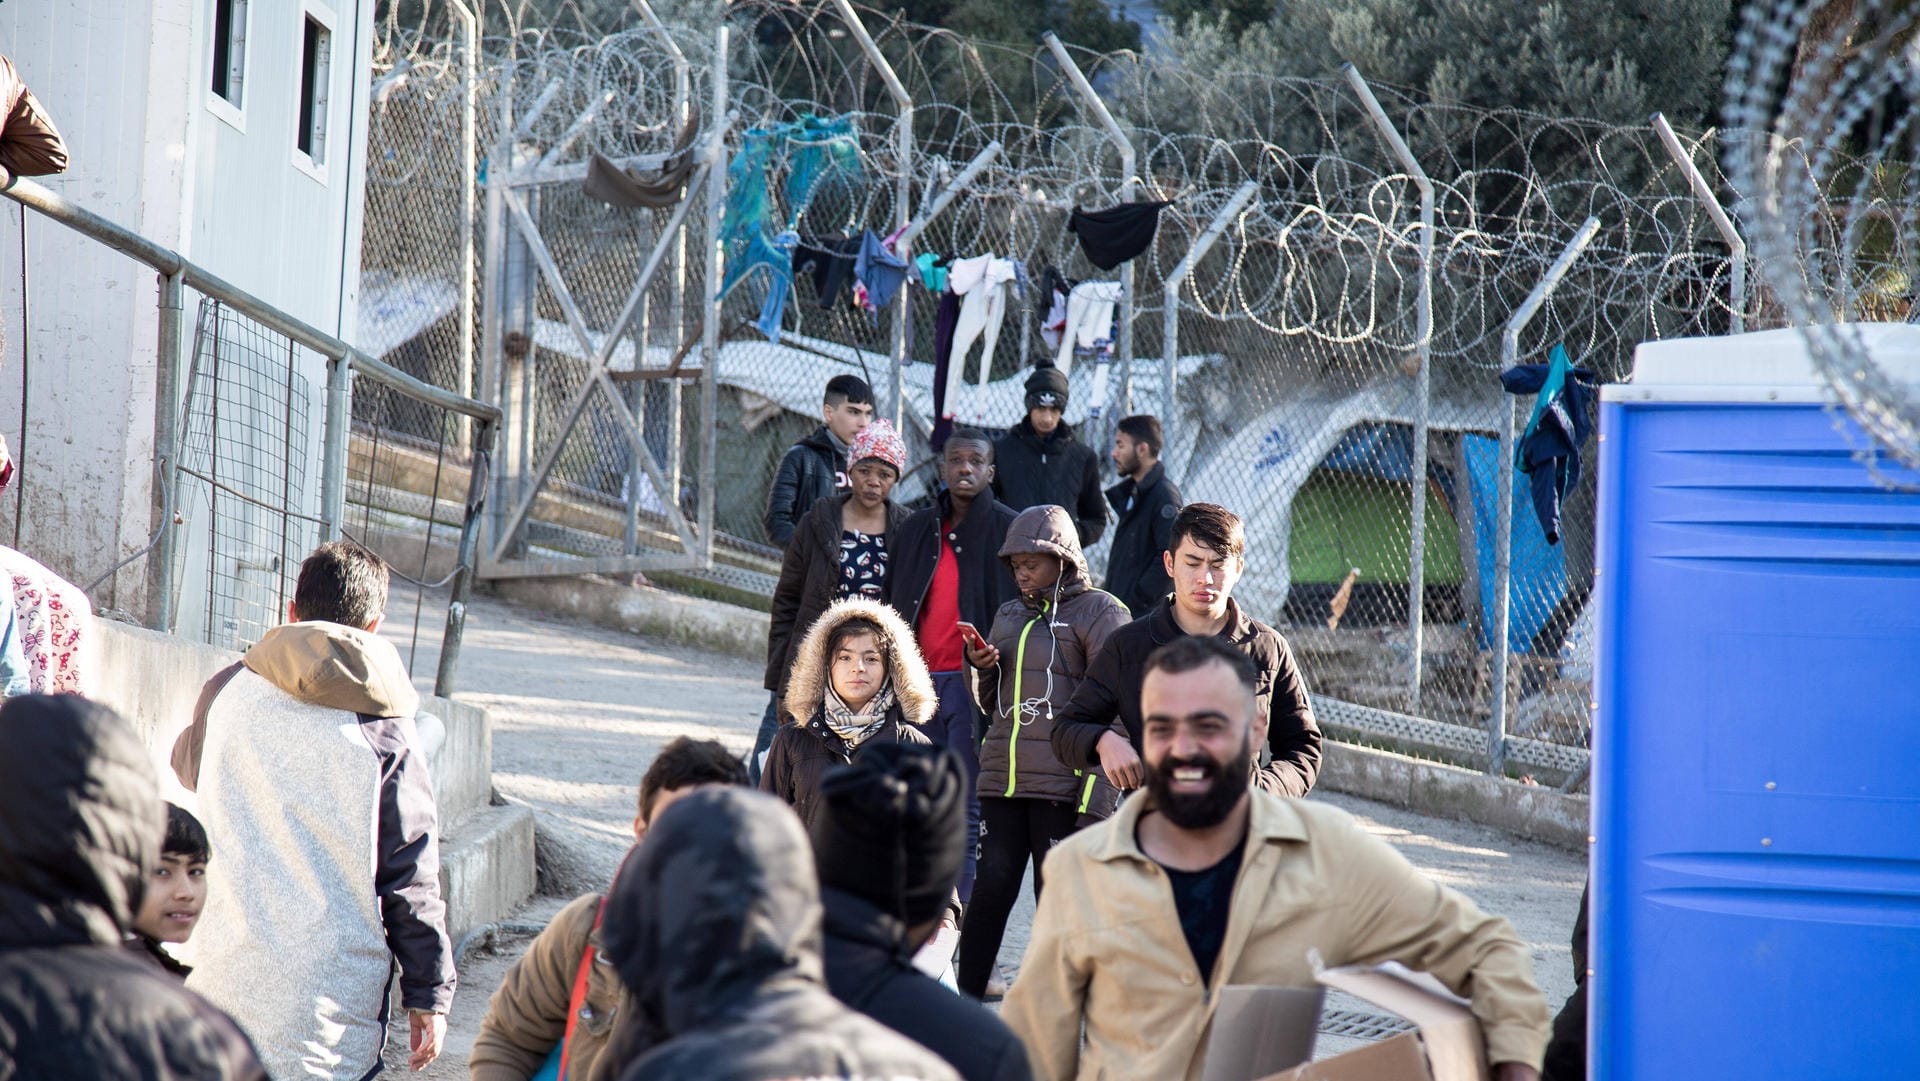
{"type": "Point", "coordinates": [1205, 558]}
{"type": "Point", "coordinates": [945, 568]}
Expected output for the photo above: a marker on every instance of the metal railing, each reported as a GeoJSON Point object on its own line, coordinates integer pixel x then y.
{"type": "Point", "coordinates": [176, 275]}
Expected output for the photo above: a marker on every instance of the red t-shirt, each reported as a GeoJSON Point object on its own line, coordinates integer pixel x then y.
{"type": "Point", "coordinates": [939, 628]}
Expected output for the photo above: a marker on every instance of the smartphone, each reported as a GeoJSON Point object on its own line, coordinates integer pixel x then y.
{"type": "Point", "coordinates": [970, 634]}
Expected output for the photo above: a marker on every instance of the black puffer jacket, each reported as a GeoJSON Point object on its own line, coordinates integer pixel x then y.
{"type": "Point", "coordinates": [1032, 470]}
{"type": "Point", "coordinates": [812, 470]}
{"type": "Point", "coordinates": [1136, 569]}
{"type": "Point", "coordinates": [985, 582]}
{"type": "Point", "coordinates": [714, 923]}
{"type": "Point", "coordinates": [870, 968]}
{"type": "Point", "coordinates": [80, 826]}
{"type": "Point", "coordinates": [1289, 763]}
{"type": "Point", "coordinates": [1047, 641]}
{"type": "Point", "coordinates": [809, 581]}
{"type": "Point", "coordinates": [804, 750]}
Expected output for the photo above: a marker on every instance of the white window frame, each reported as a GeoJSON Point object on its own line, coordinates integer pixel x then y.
{"type": "Point", "coordinates": [314, 168]}
{"type": "Point", "coordinates": [232, 112]}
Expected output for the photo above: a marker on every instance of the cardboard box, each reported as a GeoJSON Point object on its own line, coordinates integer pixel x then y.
{"type": "Point", "coordinates": [1447, 1044]}
{"type": "Point", "coordinates": [1260, 1030]}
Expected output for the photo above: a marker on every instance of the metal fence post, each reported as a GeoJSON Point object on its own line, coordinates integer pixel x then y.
{"type": "Point", "coordinates": [1170, 300]}
{"type": "Point", "coordinates": [1128, 185]}
{"type": "Point", "coordinates": [1503, 511]}
{"type": "Point", "coordinates": [1736, 247]}
{"type": "Point", "coordinates": [1423, 388]}
{"type": "Point", "coordinates": [469, 199]}
{"type": "Point", "coordinates": [166, 452]}
{"type": "Point", "coordinates": [902, 192]}
{"type": "Point", "coordinates": [333, 464]}
{"type": "Point", "coordinates": [464, 566]}
{"type": "Point", "coordinates": [710, 324]}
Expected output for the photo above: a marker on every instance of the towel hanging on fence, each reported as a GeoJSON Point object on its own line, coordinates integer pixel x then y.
{"type": "Point", "coordinates": [1118, 233]}
{"type": "Point", "coordinates": [615, 184]}
{"type": "Point", "coordinates": [1562, 421]}
{"type": "Point", "coordinates": [1088, 329]}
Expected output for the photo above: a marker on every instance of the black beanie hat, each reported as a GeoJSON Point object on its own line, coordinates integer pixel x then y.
{"type": "Point", "coordinates": [1047, 386]}
{"type": "Point", "coordinates": [892, 828]}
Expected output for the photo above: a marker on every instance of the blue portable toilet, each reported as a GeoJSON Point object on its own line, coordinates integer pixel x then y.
{"type": "Point", "coordinates": [1756, 751]}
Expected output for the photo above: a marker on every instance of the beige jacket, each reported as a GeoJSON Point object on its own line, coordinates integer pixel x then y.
{"type": "Point", "coordinates": [527, 1016]}
{"type": "Point", "coordinates": [1107, 945]}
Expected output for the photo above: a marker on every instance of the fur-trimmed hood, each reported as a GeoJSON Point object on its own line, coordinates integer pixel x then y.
{"type": "Point", "coordinates": [912, 686]}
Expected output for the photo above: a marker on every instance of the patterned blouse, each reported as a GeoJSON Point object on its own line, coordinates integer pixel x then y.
{"type": "Point", "coordinates": [863, 564]}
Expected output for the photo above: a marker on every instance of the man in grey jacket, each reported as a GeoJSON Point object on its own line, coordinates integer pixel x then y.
{"type": "Point", "coordinates": [309, 772]}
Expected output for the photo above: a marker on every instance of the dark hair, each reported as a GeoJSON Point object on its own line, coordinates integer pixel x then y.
{"type": "Point", "coordinates": [848, 388]}
{"type": "Point", "coordinates": [185, 836]}
{"type": "Point", "coordinates": [1191, 651]}
{"type": "Point", "coordinates": [1209, 524]}
{"type": "Point", "coordinates": [969, 435]}
{"type": "Point", "coordinates": [854, 627]}
{"type": "Point", "coordinates": [1143, 428]}
{"type": "Point", "coordinates": [686, 762]}
{"type": "Point", "coordinates": [341, 582]}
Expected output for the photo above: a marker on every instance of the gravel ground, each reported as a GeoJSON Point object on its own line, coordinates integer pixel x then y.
{"type": "Point", "coordinates": [578, 712]}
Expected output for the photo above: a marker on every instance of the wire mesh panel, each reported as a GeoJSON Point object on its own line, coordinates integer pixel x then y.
{"type": "Point", "coordinates": [1296, 370]}
{"type": "Point", "coordinates": [245, 479]}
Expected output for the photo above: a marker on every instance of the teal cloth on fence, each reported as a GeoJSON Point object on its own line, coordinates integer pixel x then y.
{"type": "Point", "coordinates": [1558, 368]}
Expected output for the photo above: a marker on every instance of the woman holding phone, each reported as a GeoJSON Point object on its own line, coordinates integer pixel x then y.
{"type": "Point", "coordinates": [1034, 656]}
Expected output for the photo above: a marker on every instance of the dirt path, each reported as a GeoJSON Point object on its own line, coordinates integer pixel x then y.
{"type": "Point", "coordinates": [579, 711]}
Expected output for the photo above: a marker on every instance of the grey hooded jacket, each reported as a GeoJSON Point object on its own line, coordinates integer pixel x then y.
{"type": "Point", "coordinates": [1046, 641]}
{"type": "Point", "coordinates": [715, 925]}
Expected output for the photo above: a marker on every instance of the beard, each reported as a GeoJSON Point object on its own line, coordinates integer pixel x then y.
{"type": "Point", "coordinates": [1227, 782]}
{"type": "Point", "coordinates": [1128, 464]}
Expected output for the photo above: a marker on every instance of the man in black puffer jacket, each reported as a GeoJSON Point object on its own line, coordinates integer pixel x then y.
{"type": "Point", "coordinates": [81, 821]}
{"type": "Point", "coordinates": [888, 841]}
{"type": "Point", "coordinates": [714, 924]}
{"type": "Point", "coordinates": [1039, 463]}
{"type": "Point", "coordinates": [816, 467]}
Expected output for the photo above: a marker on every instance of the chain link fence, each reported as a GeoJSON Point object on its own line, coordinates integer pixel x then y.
{"type": "Point", "coordinates": [1294, 397]}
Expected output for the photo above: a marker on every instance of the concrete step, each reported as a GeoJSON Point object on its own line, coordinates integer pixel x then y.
{"type": "Point", "coordinates": [486, 866]}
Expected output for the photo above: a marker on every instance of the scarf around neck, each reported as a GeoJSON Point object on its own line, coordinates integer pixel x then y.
{"type": "Point", "coordinates": [857, 728]}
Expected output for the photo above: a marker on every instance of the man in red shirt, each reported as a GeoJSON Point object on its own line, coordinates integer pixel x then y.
{"type": "Point", "coordinates": [945, 568]}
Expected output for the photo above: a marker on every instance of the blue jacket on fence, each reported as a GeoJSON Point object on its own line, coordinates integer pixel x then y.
{"type": "Point", "coordinates": [1562, 421]}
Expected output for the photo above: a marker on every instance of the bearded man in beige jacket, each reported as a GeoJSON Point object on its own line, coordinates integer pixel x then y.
{"type": "Point", "coordinates": [1202, 881]}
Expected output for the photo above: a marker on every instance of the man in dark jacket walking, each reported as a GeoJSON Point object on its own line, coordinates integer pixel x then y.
{"type": "Point", "coordinates": [1145, 501]}
{"type": "Point", "coordinates": [80, 826]}
{"type": "Point", "coordinates": [888, 843]}
{"type": "Point", "coordinates": [946, 569]}
{"type": "Point", "coordinates": [1039, 462]}
{"type": "Point", "coordinates": [1206, 559]}
{"type": "Point", "coordinates": [816, 467]}
{"type": "Point", "coordinates": [714, 924]}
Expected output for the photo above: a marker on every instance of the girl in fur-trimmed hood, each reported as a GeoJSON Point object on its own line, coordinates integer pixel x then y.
{"type": "Point", "coordinates": [857, 679]}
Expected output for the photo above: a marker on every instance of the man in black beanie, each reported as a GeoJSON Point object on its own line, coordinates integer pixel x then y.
{"type": "Point", "coordinates": [889, 844]}
{"type": "Point", "coordinates": [1039, 462]}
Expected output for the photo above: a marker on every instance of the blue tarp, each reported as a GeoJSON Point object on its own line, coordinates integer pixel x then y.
{"type": "Point", "coordinates": [1539, 568]}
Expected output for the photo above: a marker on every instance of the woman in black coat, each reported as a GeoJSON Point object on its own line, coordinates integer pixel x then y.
{"type": "Point", "coordinates": [839, 549]}
{"type": "Point", "coordinates": [857, 679]}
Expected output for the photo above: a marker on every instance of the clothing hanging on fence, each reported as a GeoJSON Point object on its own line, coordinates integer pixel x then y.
{"type": "Point", "coordinates": [1118, 233]}
{"type": "Point", "coordinates": [830, 259]}
{"type": "Point", "coordinates": [944, 322]}
{"type": "Point", "coordinates": [617, 185]}
{"type": "Point", "coordinates": [778, 287]}
{"type": "Point", "coordinates": [1562, 421]}
{"type": "Point", "coordinates": [982, 283]}
{"type": "Point", "coordinates": [1088, 327]}
{"type": "Point", "coordinates": [824, 162]}
{"type": "Point", "coordinates": [933, 271]}
{"type": "Point", "coordinates": [879, 269]}
{"type": "Point", "coordinates": [744, 231]}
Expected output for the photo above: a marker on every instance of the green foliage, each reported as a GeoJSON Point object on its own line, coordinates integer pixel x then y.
{"type": "Point", "coordinates": [1237, 16]}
